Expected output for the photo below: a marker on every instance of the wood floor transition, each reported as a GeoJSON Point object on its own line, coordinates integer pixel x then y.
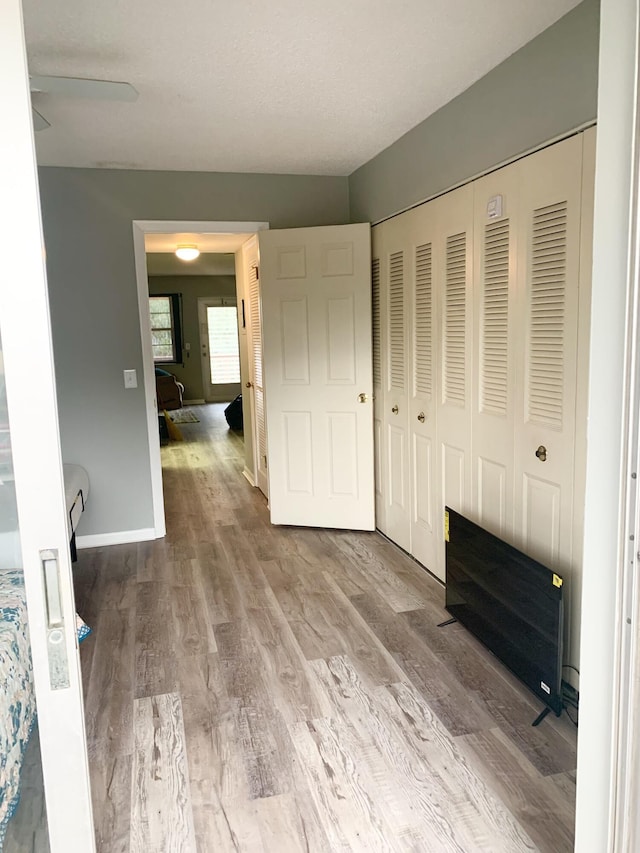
{"type": "Point", "coordinates": [252, 688]}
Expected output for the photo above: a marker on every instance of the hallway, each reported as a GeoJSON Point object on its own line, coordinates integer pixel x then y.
{"type": "Point", "coordinates": [254, 688]}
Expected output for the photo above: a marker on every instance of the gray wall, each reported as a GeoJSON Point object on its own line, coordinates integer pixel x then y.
{"type": "Point", "coordinates": [543, 90]}
{"type": "Point", "coordinates": [87, 215]}
{"type": "Point", "coordinates": [192, 287]}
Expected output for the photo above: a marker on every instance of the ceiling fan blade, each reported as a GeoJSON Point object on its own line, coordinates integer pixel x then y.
{"type": "Point", "coordinates": [78, 87]}
{"type": "Point", "coordinates": [39, 122]}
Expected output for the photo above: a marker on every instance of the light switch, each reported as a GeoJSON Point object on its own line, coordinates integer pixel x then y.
{"type": "Point", "coordinates": [130, 379]}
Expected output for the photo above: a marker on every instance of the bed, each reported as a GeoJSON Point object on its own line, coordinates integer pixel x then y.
{"type": "Point", "coordinates": [17, 700]}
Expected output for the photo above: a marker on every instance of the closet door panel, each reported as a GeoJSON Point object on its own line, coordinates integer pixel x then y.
{"type": "Point", "coordinates": [378, 318]}
{"type": "Point", "coordinates": [453, 260]}
{"type": "Point", "coordinates": [548, 279]}
{"type": "Point", "coordinates": [496, 336]}
{"type": "Point", "coordinates": [395, 271]}
{"type": "Point", "coordinates": [426, 527]}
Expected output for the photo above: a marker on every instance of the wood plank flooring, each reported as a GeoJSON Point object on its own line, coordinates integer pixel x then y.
{"type": "Point", "coordinates": [252, 688]}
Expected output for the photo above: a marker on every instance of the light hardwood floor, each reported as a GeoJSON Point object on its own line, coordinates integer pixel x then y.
{"type": "Point", "coordinates": [251, 688]}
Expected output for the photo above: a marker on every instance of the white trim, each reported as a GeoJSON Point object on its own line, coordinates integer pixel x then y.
{"type": "Point", "coordinates": [199, 402]}
{"type": "Point", "coordinates": [120, 537]}
{"type": "Point", "coordinates": [249, 477]}
{"type": "Point", "coordinates": [140, 228]}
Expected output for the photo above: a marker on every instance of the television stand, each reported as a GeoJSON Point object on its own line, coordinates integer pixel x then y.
{"type": "Point", "coordinates": [446, 622]}
{"type": "Point", "coordinates": [540, 717]}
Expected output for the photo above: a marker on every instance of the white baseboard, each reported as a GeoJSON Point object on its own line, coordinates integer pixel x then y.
{"type": "Point", "coordinates": [193, 402]}
{"type": "Point", "coordinates": [249, 476]}
{"type": "Point", "coordinates": [120, 537]}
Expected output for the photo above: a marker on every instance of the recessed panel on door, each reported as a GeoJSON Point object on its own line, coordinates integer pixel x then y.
{"type": "Point", "coordinates": [298, 452]}
{"type": "Point", "coordinates": [341, 340]}
{"type": "Point", "coordinates": [492, 495]}
{"type": "Point", "coordinates": [295, 341]}
{"type": "Point", "coordinates": [397, 466]}
{"type": "Point", "coordinates": [291, 262]}
{"type": "Point", "coordinates": [336, 259]}
{"type": "Point", "coordinates": [541, 522]}
{"type": "Point", "coordinates": [423, 482]}
{"type": "Point", "coordinates": [343, 454]}
{"type": "Point", "coordinates": [453, 477]}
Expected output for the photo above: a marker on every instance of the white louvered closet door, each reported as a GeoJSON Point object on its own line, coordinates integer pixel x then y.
{"type": "Point", "coordinates": [548, 277]}
{"type": "Point", "coordinates": [497, 333]}
{"type": "Point", "coordinates": [453, 263]}
{"type": "Point", "coordinates": [378, 319]}
{"type": "Point", "coordinates": [395, 416]}
{"type": "Point", "coordinates": [426, 527]}
{"type": "Point", "coordinates": [255, 359]}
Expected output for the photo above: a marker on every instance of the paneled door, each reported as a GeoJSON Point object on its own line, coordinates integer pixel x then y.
{"type": "Point", "coordinates": [453, 267]}
{"type": "Point", "coordinates": [31, 469]}
{"type": "Point", "coordinates": [316, 326]}
{"type": "Point", "coordinates": [426, 516]}
{"type": "Point", "coordinates": [395, 273]}
{"type": "Point", "coordinates": [548, 277]}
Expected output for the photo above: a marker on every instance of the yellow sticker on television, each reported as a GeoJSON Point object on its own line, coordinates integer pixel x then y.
{"type": "Point", "coordinates": [557, 580]}
{"type": "Point", "coordinates": [446, 526]}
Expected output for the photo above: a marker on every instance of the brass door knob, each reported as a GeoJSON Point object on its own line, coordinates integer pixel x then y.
{"type": "Point", "coordinates": [421, 417]}
{"type": "Point", "coordinates": [248, 384]}
{"type": "Point", "coordinates": [541, 453]}
{"type": "Point", "coordinates": [395, 410]}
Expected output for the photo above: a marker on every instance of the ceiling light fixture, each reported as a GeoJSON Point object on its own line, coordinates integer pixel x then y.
{"type": "Point", "coordinates": [187, 252]}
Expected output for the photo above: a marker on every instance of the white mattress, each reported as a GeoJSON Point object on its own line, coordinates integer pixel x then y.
{"type": "Point", "coordinates": [76, 493]}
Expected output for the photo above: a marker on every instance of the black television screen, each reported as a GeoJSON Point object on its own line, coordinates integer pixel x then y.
{"type": "Point", "coordinates": [510, 602]}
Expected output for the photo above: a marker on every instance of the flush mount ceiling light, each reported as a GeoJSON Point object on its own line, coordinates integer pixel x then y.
{"type": "Point", "coordinates": [187, 252]}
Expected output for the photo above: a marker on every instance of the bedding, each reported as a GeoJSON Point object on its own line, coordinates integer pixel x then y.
{"type": "Point", "coordinates": [17, 699]}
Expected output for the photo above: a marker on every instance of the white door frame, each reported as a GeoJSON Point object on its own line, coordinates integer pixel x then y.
{"type": "Point", "coordinates": [158, 226]}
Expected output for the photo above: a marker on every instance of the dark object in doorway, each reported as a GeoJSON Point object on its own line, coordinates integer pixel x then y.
{"type": "Point", "coordinates": [233, 414]}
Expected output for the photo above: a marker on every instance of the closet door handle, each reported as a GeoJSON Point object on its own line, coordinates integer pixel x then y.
{"type": "Point", "coordinates": [541, 453]}
{"type": "Point", "coordinates": [421, 417]}
{"type": "Point", "coordinates": [395, 410]}
{"type": "Point", "coordinates": [248, 384]}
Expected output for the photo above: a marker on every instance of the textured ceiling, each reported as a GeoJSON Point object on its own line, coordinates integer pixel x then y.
{"type": "Point", "coordinates": [292, 86]}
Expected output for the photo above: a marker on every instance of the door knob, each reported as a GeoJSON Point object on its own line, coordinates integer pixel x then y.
{"type": "Point", "coordinates": [363, 398]}
{"type": "Point", "coordinates": [421, 417]}
{"type": "Point", "coordinates": [248, 384]}
{"type": "Point", "coordinates": [541, 453]}
{"type": "Point", "coordinates": [395, 410]}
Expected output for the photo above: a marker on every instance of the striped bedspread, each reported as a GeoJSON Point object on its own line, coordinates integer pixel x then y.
{"type": "Point", "coordinates": [17, 700]}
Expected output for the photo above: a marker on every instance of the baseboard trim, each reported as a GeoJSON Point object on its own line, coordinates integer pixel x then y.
{"type": "Point", "coordinates": [249, 476]}
{"type": "Point", "coordinates": [119, 537]}
{"type": "Point", "coordinates": [193, 402]}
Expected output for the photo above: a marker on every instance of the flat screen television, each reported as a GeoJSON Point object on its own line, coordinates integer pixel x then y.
{"type": "Point", "coordinates": [510, 602]}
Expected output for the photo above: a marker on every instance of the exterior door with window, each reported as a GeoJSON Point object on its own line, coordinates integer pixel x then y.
{"type": "Point", "coordinates": [37, 565]}
{"type": "Point", "coordinates": [218, 319]}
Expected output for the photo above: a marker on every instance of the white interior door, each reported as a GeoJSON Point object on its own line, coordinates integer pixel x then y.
{"type": "Point", "coordinates": [548, 273]}
{"type": "Point", "coordinates": [316, 325]}
{"type": "Point", "coordinates": [219, 348]}
{"type": "Point", "coordinates": [37, 466]}
{"type": "Point", "coordinates": [256, 382]}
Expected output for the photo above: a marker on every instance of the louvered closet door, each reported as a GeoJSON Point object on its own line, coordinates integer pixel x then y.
{"type": "Point", "coordinates": [257, 390]}
{"type": "Point", "coordinates": [426, 527]}
{"type": "Point", "coordinates": [395, 417]}
{"type": "Point", "coordinates": [548, 275]}
{"type": "Point", "coordinates": [496, 335]}
{"type": "Point", "coordinates": [378, 320]}
{"type": "Point", "coordinates": [453, 263]}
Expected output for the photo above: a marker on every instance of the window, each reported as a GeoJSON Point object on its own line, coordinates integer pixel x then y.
{"type": "Point", "coordinates": [224, 355]}
{"type": "Point", "coordinates": [165, 328]}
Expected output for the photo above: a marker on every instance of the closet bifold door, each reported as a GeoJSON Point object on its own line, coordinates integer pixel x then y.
{"type": "Point", "coordinates": [548, 278]}
{"type": "Point", "coordinates": [426, 526]}
{"type": "Point", "coordinates": [496, 335]}
{"type": "Point", "coordinates": [378, 347]}
{"type": "Point", "coordinates": [395, 268]}
{"type": "Point", "coordinates": [453, 262]}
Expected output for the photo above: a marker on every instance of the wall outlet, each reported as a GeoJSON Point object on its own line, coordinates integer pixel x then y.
{"type": "Point", "coordinates": [130, 379]}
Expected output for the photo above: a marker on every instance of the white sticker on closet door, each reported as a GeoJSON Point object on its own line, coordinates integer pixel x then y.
{"type": "Point", "coordinates": [336, 259]}
{"type": "Point", "coordinates": [343, 454]}
{"type": "Point", "coordinates": [541, 522]}
{"type": "Point", "coordinates": [294, 324]}
{"type": "Point", "coordinates": [453, 477]}
{"type": "Point", "coordinates": [492, 485]}
{"type": "Point", "coordinates": [291, 262]}
{"type": "Point", "coordinates": [422, 498]}
{"type": "Point", "coordinates": [298, 452]}
{"type": "Point", "coordinates": [341, 341]}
